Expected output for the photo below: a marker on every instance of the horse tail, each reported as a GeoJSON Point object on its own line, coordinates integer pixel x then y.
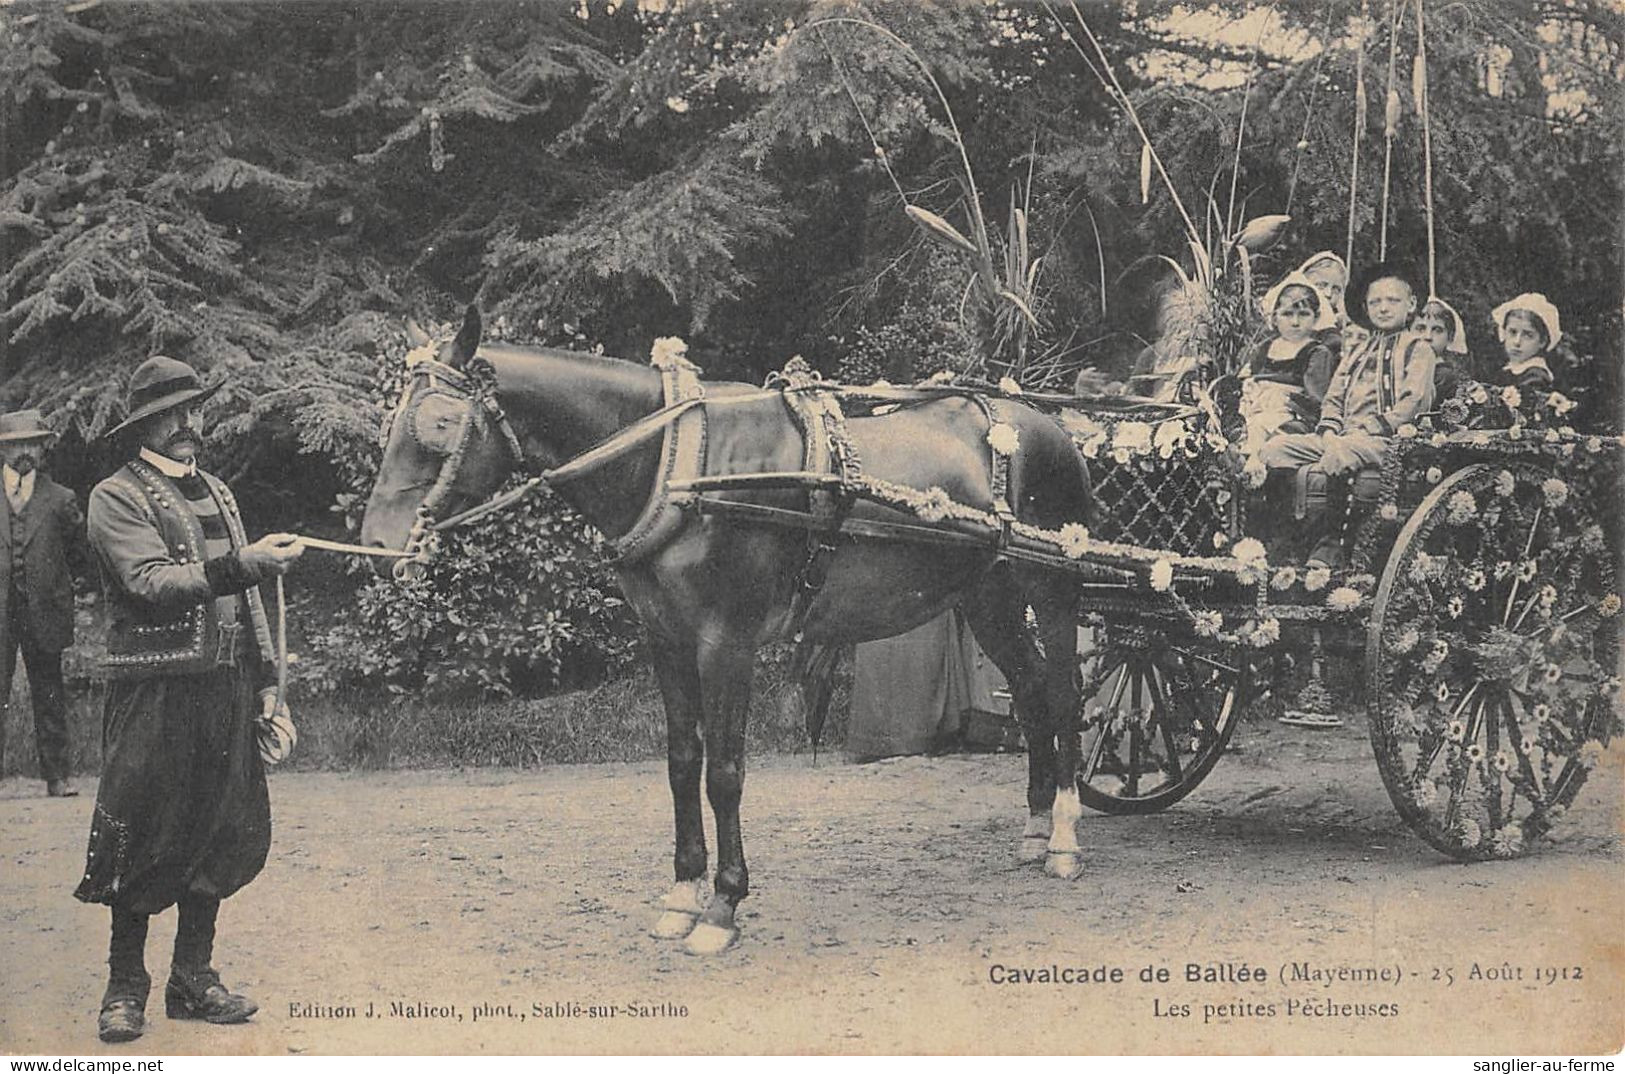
{"type": "Point", "coordinates": [812, 684]}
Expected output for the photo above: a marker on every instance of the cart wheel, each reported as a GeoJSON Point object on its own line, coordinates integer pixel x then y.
{"type": "Point", "coordinates": [1156, 717]}
{"type": "Point", "coordinates": [1490, 659]}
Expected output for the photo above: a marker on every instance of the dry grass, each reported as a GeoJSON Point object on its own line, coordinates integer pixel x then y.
{"type": "Point", "coordinates": [621, 720]}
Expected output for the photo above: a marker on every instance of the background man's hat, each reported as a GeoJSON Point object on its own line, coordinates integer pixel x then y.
{"type": "Point", "coordinates": [24, 425]}
{"type": "Point", "coordinates": [1382, 270]}
{"type": "Point", "coordinates": [159, 384]}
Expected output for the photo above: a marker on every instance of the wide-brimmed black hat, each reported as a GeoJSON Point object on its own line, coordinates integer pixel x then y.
{"type": "Point", "coordinates": [159, 384]}
{"type": "Point", "coordinates": [1354, 300]}
{"type": "Point", "coordinates": [20, 425]}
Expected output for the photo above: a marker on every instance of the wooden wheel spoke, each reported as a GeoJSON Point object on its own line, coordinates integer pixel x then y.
{"type": "Point", "coordinates": [1160, 707]}
{"type": "Point", "coordinates": [1464, 765]}
{"type": "Point", "coordinates": [1136, 739]}
{"type": "Point", "coordinates": [1492, 746]}
{"type": "Point", "coordinates": [1108, 716]}
{"type": "Point", "coordinates": [1525, 765]}
{"type": "Point", "coordinates": [1528, 544]}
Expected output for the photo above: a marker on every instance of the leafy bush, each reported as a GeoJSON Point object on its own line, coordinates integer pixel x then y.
{"type": "Point", "coordinates": [519, 603]}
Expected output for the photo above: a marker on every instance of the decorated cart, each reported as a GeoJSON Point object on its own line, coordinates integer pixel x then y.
{"type": "Point", "coordinates": [1479, 595]}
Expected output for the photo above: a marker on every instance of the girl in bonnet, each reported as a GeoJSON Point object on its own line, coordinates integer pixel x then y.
{"type": "Point", "coordinates": [1439, 322]}
{"type": "Point", "coordinates": [1285, 376]}
{"type": "Point", "coordinates": [1528, 328]}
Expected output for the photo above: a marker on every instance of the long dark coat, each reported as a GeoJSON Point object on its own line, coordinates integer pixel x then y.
{"type": "Point", "coordinates": [48, 544]}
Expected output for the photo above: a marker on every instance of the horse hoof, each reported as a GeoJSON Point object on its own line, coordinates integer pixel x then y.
{"type": "Point", "coordinates": [709, 939]}
{"type": "Point", "coordinates": [673, 925]}
{"type": "Point", "coordinates": [1063, 865]}
{"type": "Point", "coordinates": [1031, 848]}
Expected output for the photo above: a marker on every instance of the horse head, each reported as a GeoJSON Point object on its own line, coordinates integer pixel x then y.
{"type": "Point", "coordinates": [447, 444]}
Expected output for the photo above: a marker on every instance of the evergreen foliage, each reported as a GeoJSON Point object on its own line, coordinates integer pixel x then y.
{"type": "Point", "coordinates": [265, 188]}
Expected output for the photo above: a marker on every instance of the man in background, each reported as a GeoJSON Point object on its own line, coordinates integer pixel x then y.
{"type": "Point", "coordinates": [41, 540]}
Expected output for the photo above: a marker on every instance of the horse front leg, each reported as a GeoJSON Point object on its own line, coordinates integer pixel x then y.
{"type": "Point", "coordinates": [679, 678]}
{"type": "Point", "coordinates": [725, 682]}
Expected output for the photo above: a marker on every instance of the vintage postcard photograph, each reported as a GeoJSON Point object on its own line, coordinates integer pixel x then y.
{"type": "Point", "coordinates": [811, 527]}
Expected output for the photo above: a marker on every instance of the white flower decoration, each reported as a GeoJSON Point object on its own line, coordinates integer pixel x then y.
{"type": "Point", "coordinates": [1461, 507]}
{"type": "Point", "coordinates": [1556, 491]}
{"type": "Point", "coordinates": [1439, 440]}
{"type": "Point", "coordinates": [1003, 438]}
{"type": "Point", "coordinates": [1507, 841]}
{"type": "Point", "coordinates": [1456, 731]}
{"type": "Point", "coordinates": [1074, 540]}
{"type": "Point", "coordinates": [1505, 483]}
{"type": "Point", "coordinates": [1406, 431]}
{"type": "Point", "coordinates": [1479, 395]}
{"type": "Point", "coordinates": [1343, 599]}
{"type": "Point", "coordinates": [934, 504]}
{"type": "Point", "coordinates": [1560, 403]}
{"type": "Point", "coordinates": [1162, 575]}
{"type": "Point", "coordinates": [1475, 752]}
{"type": "Point", "coordinates": [1208, 624]}
{"type": "Point", "coordinates": [1316, 578]}
{"type": "Point", "coordinates": [1502, 761]}
{"type": "Point", "coordinates": [1008, 386]}
{"type": "Point", "coordinates": [1512, 397]}
{"type": "Point", "coordinates": [1515, 431]}
{"type": "Point", "coordinates": [1388, 512]}
{"type": "Point", "coordinates": [1474, 580]}
{"type": "Point", "coordinates": [1594, 444]}
{"type": "Point", "coordinates": [1527, 570]}
{"type": "Point", "coordinates": [1471, 834]}
{"type": "Point", "coordinates": [1454, 607]}
{"type": "Point", "coordinates": [1171, 436]}
{"type": "Point", "coordinates": [677, 104]}
{"type": "Point", "coordinates": [666, 351]}
{"type": "Point", "coordinates": [1406, 641]}
{"type": "Point", "coordinates": [1250, 550]}
{"type": "Point", "coordinates": [1502, 569]}
{"type": "Point", "coordinates": [1539, 713]}
{"type": "Point", "coordinates": [1131, 438]}
{"type": "Point", "coordinates": [1608, 606]}
{"type": "Point", "coordinates": [1266, 633]}
{"type": "Point", "coordinates": [1425, 793]}
{"type": "Point", "coordinates": [1285, 578]}
{"type": "Point", "coordinates": [1435, 475]}
{"type": "Point", "coordinates": [1220, 540]}
{"type": "Point", "coordinates": [1553, 673]}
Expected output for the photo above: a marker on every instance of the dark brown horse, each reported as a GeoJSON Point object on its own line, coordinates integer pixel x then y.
{"type": "Point", "coordinates": [711, 590]}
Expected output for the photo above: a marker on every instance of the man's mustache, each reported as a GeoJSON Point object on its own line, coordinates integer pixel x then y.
{"type": "Point", "coordinates": [22, 464]}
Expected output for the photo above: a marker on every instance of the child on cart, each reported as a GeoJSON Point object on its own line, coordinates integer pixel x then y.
{"type": "Point", "coordinates": [1442, 326]}
{"type": "Point", "coordinates": [1529, 329]}
{"type": "Point", "coordinates": [1383, 385]}
{"type": "Point", "coordinates": [1284, 377]}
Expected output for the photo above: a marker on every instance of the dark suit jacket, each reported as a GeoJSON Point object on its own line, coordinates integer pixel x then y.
{"type": "Point", "coordinates": [48, 544]}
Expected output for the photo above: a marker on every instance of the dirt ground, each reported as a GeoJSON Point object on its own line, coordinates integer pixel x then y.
{"type": "Point", "coordinates": [887, 915]}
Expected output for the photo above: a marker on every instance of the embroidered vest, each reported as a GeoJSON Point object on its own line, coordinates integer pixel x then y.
{"type": "Point", "coordinates": [143, 642]}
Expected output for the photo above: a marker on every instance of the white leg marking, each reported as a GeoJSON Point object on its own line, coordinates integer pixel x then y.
{"type": "Point", "coordinates": [1068, 808]}
{"type": "Point", "coordinates": [1063, 860]}
{"type": "Point", "coordinates": [679, 910]}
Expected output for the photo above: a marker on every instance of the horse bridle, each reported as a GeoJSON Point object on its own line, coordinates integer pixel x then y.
{"type": "Point", "coordinates": [473, 386]}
